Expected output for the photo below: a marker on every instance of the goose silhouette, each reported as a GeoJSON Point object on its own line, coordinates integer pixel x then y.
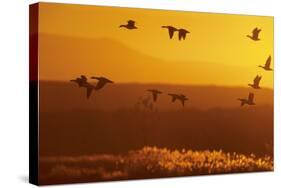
{"type": "Point", "coordinates": [102, 81]}
{"type": "Point", "coordinates": [174, 96]}
{"type": "Point", "coordinates": [130, 25]}
{"type": "Point", "coordinates": [249, 101]}
{"type": "Point", "coordinates": [80, 81]}
{"type": "Point", "coordinates": [181, 98]}
{"type": "Point", "coordinates": [256, 82]}
{"type": "Point", "coordinates": [255, 34]}
{"type": "Point", "coordinates": [182, 33]}
{"type": "Point", "coordinates": [267, 64]}
{"type": "Point", "coordinates": [171, 30]}
{"type": "Point", "coordinates": [155, 93]}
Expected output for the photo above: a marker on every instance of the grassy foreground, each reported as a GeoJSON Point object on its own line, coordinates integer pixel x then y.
{"type": "Point", "coordinates": [148, 162]}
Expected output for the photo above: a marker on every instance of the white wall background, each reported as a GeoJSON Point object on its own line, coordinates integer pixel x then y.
{"type": "Point", "coordinates": [14, 92]}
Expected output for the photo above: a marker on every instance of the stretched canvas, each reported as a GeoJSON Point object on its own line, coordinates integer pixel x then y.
{"type": "Point", "coordinates": [128, 93]}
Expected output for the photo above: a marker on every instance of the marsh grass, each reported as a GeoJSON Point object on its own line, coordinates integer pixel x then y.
{"type": "Point", "coordinates": [148, 162]}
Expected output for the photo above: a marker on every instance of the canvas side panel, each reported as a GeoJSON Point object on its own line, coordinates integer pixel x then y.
{"type": "Point", "coordinates": [33, 93]}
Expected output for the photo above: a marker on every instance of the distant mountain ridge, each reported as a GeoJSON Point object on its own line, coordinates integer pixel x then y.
{"type": "Point", "coordinates": [105, 56]}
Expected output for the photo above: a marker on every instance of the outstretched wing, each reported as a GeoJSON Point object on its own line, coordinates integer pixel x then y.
{"type": "Point", "coordinates": [100, 85]}
{"type": "Point", "coordinates": [257, 80]}
{"type": "Point", "coordinates": [180, 35]}
{"type": "Point", "coordinates": [83, 78]}
{"type": "Point", "coordinates": [131, 22]}
{"type": "Point", "coordinates": [256, 32]}
{"type": "Point", "coordinates": [154, 96]}
{"type": "Point", "coordinates": [171, 32]}
{"type": "Point", "coordinates": [89, 91]}
{"type": "Point", "coordinates": [251, 97]}
{"type": "Point", "coordinates": [268, 61]}
{"type": "Point", "coordinates": [173, 97]}
{"type": "Point", "coordinates": [182, 102]}
{"type": "Point", "coordinates": [78, 81]}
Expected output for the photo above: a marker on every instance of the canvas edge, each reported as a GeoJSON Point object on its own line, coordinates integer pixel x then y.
{"type": "Point", "coordinates": [33, 94]}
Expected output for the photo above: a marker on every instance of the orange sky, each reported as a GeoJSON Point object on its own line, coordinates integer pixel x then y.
{"type": "Point", "coordinates": [217, 51]}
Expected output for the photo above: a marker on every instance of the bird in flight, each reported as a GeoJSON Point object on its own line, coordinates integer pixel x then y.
{"type": "Point", "coordinates": [171, 30]}
{"type": "Point", "coordinates": [249, 101]}
{"type": "Point", "coordinates": [180, 97]}
{"type": "Point", "coordinates": [81, 81]}
{"type": "Point", "coordinates": [130, 25]}
{"type": "Point", "coordinates": [155, 93]}
{"type": "Point", "coordinates": [255, 34]}
{"type": "Point", "coordinates": [102, 81]}
{"type": "Point", "coordinates": [174, 96]}
{"type": "Point", "coordinates": [267, 64]}
{"type": "Point", "coordinates": [182, 33]}
{"type": "Point", "coordinates": [256, 82]}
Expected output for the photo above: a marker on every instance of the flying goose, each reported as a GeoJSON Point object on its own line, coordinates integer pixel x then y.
{"type": "Point", "coordinates": [182, 98]}
{"type": "Point", "coordinates": [80, 81]}
{"type": "Point", "coordinates": [256, 82]}
{"type": "Point", "coordinates": [255, 34]}
{"type": "Point", "coordinates": [174, 96]}
{"type": "Point", "coordinates": [155, 93]}
{"type": "Point", "coordinates": [249, 101]}
{"type": "Point", "coordinates": [182, 33]}
{"type": "Point", "coordinates": [130, 25]}
{"type": "Point", "coordinates": [171, 30]}
{"type": "Point", "coordinates": [267, 64]}
{"type": "Point", "coordinates": [102, 81]}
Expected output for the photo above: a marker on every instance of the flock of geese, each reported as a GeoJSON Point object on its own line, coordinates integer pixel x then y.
{"type": "Point", "coordinates": [82, 81]}
{"type": "Point", "coordinates": [257, 79]}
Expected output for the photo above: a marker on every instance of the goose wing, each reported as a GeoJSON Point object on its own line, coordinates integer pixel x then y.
{"type": "Point", "coordinates": [100, 84]}
{"type": "Point", "coordinates": [268, 61]}
{"type": "Point", "coordinates": [251, 97]}
{"type": "Point", "coordinates": [181, 34]}
{"type": "Point", "coordinates": [131, 22]}
{"type": "Point", "coordinates": [76, 80]}
{"type": "Point", "coordinates": [171, 32]}
{"type": "Point", "coordinates": [83, 78]}
{"type": "Point", "coordinates": [154, 96]}
{"type": "Point", "coordinates": [174, 97]}
{"type": "Point", "coordinates": [256, 32]}
{"type": "Point", "coordinates": [257, 80]}
{"type": "Point", "coordinates": [89, 91]}
{"type": "Point", "coordinates": [182, 102]}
